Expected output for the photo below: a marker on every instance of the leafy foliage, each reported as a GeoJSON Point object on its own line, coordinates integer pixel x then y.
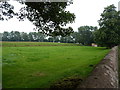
{"type": "Point", "coordinates": [22, 36]}
{"type": "Point", "coordinates": [6, 11]}
{"type": "Point", "coordinates": [48, 17]}
{"type": "Point", "coordinates": [85, 35]}
{"type": "Point", "coordinates": [109, 32]}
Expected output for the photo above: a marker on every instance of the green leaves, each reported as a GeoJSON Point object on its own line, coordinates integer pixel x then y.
{"type": "Point", "coordinates": [6, 11]}
{"type": "Point", "coordinates": [109, 32]}
{"type": "Point", "coordinates": [49, 18]}
{"type": "Point", "coordinates": [46, 16]}
{"type": "Point", "coordinates": [85, 34]}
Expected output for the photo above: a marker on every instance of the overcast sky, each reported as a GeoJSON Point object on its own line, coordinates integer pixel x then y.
{"type": "Point", "coordinates": [87, 13]}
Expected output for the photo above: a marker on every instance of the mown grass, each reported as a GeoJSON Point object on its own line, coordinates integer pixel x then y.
{"type": "Point", "coordinates": [41, 67]}
{"type": "Point", "coordinates": [21, 44]}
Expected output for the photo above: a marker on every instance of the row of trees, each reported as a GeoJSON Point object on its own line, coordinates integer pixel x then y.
{"type": "Point", "coordinates": [22, 36]}
{"type": "Point", "coordinates": [84, 36]}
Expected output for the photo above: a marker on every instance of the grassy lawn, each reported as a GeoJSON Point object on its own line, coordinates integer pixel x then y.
{"type": "Point", "coordinates": [41, 66]}
{"type": "Point", "coordinates": [21, 44]}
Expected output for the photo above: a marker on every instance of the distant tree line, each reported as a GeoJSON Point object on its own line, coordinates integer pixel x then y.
{"type": "Point", "coordinates": [83, 36]}
{"type": "Point", "coordinates": [22, 36]}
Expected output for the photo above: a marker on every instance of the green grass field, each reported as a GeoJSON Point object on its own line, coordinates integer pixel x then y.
{"type": "Point", "coordinates": [28, 44]}
{"type": "Point", "coordinates": [41, 66]}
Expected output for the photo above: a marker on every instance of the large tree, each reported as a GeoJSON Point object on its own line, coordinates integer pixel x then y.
{"type": "Point", "coordinates": [48, 17]}
{"type": "Point", "coordinates": [85, 34]}
{"type": "Point", "coordinates": [108, 34]}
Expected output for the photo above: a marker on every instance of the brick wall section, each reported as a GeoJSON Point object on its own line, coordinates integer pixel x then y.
{"type": "Point", "coordinates": [105, 74]}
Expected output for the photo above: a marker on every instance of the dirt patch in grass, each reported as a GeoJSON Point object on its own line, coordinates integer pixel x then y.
{"type": "Point", "coordinates": [70, 82]}
{"type": "Point", "coordinates": [38, 74]}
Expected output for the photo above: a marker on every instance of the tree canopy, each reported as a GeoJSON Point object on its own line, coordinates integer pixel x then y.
{"type": "Point", "coordinates": [108, 34]}
{"type": "Point", "coordinates": [48, 17]}
{"type": "Point", "coordinates": [85, 34]}
{"type": "Point", "coordinates": [6, 11]}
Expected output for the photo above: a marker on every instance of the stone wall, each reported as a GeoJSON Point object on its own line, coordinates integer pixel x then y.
{"type": "Point", "coordinates": [105, 74]}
